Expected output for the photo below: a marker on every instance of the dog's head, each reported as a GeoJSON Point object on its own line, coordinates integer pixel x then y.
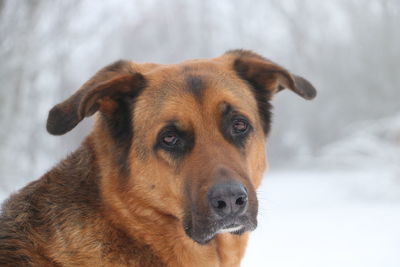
{"type": "Point", "coordinates": [186, 140]}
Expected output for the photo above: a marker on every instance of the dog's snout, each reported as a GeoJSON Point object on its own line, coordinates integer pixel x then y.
{"type": "Point", "coordinates": [228, 198]}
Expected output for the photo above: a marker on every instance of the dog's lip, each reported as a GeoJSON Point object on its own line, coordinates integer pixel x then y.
{"type": "Point", "coordinates": [231, 228]}
{"type": "Point", "coordinates": [231, 225]}
{"type": "Point", "coordinates": [235, 227]}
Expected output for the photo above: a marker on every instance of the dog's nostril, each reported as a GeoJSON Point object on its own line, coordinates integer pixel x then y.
{"type": "Point", "coordinates": [240, 201]}
{"type": "Point", "coordinates": [221, 204]}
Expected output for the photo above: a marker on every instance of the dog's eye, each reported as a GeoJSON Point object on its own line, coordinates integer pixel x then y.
{"type": "Point", "coordinates": [175, 141]}
{"type": "Point", "coordinates": [170, 139]}
{"type": "Point", "coordinates": [239, 126]}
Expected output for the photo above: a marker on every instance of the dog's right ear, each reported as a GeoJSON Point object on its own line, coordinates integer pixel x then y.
{"type": "Point", "coordinates": [267, 77]}
{"type": "Point", "coordinates": [102, 92]}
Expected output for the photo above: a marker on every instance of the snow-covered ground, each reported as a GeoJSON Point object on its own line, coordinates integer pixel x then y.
{"type": "Point", "coordinates": [341, 209]}
{"type": "Point", "coordinates": [327, 218]}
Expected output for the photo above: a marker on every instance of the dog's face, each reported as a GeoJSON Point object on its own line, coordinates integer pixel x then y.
{"type": "Point", "coordinates": [200, 142]}
{"type": "Point", "coordinates": [188, 140]}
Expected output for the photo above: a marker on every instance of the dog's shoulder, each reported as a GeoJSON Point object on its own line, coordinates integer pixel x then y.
{"type": "Point", "coordinates": [71, 182]}
{"type": "Point", "coordinates": [30, 218]}
{"type": "Point", "coordinates": [61, 212]}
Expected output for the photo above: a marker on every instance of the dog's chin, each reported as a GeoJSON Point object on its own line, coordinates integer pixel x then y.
{"type": "Point", "coordinates": [203, 234]}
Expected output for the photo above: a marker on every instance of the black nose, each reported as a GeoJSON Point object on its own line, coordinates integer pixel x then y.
{"type": "Point", "coordinates": [228, 198]}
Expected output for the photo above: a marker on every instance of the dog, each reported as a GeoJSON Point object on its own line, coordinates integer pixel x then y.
{"type": "Point", "coordinates": [168, 175]}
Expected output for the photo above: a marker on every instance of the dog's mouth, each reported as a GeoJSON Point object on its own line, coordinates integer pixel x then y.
{"type": "Point", "coordinates": [204, 230]}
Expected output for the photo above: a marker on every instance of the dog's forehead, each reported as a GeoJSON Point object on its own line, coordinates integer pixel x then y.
{"type": "Point", "coordinates": [203, 80]}
{"type": "Point", "coordinates": [189, 88]}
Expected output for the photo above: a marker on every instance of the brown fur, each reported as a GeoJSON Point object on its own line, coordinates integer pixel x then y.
{"type": "Point", "coordinates": [120, 199]}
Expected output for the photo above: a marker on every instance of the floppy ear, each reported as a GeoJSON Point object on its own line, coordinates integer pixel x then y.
{"type": "Point", "coordinates": [102, 92]}
{"type": "Point", "coordinates": [263, 74]}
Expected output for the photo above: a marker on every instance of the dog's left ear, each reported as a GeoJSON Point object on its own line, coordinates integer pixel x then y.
{"type": "Point", "coordinates": [265, 75]}
{"type": "Point", "coordinates": [106, 91]}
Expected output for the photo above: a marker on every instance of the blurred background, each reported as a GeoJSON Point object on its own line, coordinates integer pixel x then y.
{"type": "Point", "coordinates": [332, 194]}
